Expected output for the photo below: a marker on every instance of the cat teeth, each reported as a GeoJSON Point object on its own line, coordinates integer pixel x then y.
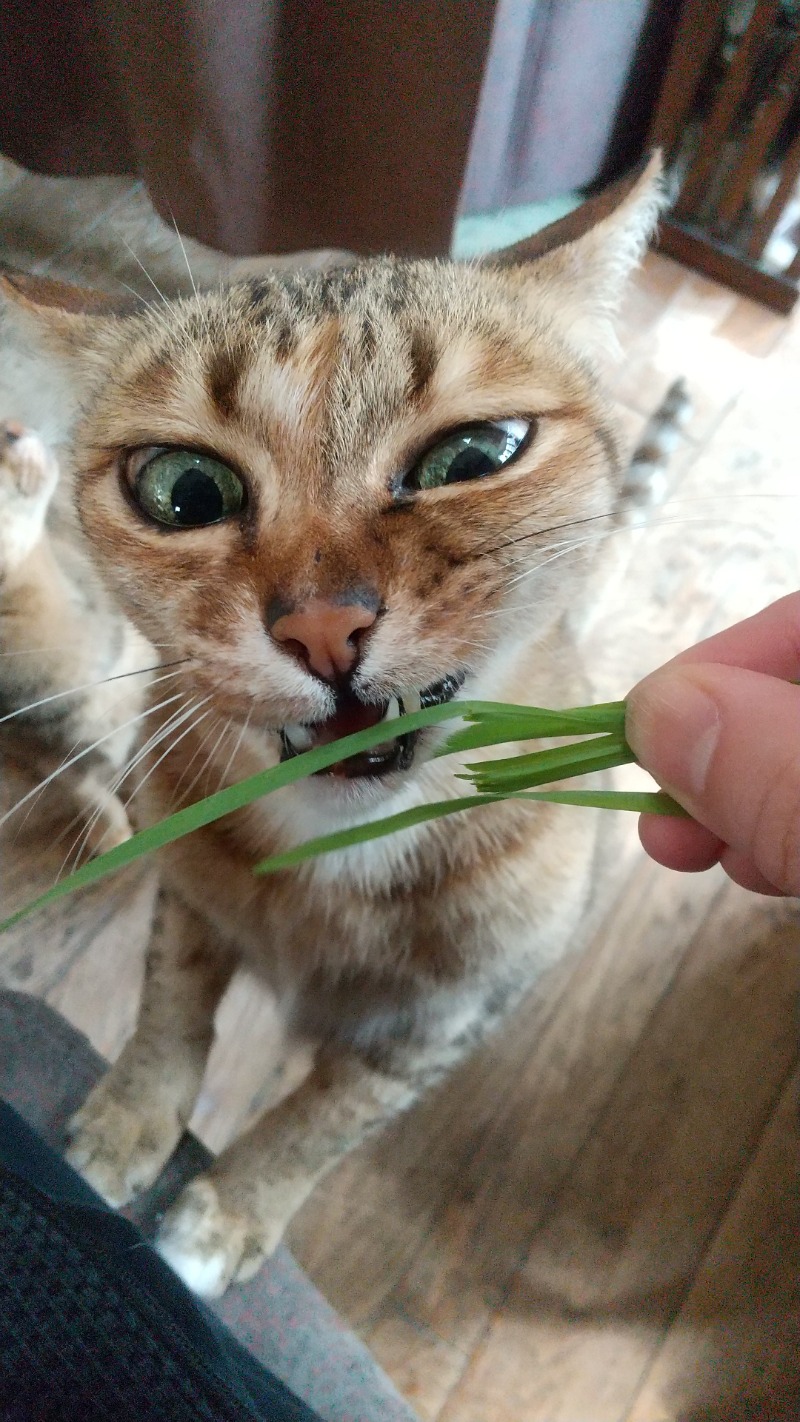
{"type": "Point", "coordinates": [393, 709]}
{"type": "Point", "coordinates": [411, 700]}
{"type": "Point", "coordinates": [299, 738]}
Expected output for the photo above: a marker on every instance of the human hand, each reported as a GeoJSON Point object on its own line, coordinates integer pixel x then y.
{"type": "Point", "coordinates": [719, 728]}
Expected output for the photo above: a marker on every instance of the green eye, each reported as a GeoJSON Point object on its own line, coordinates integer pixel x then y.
{"type": "Point", "coordinates": [188, 490]}
{"type": "Point", "coordinates": [470, 453]}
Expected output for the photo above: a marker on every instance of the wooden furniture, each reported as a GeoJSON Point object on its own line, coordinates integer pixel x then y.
{"type": "Point", "coordinates": [728, 120]}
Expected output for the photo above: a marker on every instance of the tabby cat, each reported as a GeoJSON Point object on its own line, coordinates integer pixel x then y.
{"type": "Point", "coordinates": [324, 497]}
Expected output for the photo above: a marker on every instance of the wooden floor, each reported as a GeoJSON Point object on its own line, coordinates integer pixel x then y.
{"type": "Point", "coordinates": [598, 1219]}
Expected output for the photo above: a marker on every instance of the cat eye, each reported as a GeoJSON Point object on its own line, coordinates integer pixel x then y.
{"type": "Point", "coordinates": [185, 489]}
{"type": "Point", "coordinates": [470, 453]}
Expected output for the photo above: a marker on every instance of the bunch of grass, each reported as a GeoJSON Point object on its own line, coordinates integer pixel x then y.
{"type": "Point", "coordinates": [597, 742]}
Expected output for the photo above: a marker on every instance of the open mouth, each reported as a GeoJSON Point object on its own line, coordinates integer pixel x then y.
{"type": "Point", "coordinates": [353, 715]}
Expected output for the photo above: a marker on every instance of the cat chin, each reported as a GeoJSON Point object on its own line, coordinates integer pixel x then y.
{"type": "Point", "coordinates": [349, 797]}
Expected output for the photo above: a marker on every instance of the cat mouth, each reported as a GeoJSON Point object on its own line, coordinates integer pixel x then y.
{"type": "Point", "coordinates": [353, 715]}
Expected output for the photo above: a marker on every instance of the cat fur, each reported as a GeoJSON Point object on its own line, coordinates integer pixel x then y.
{"type": "Point", "coordinates": [391, 961]}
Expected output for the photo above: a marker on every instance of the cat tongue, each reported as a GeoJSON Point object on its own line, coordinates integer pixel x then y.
{"type": "Point", "coordinates": [351, 715]}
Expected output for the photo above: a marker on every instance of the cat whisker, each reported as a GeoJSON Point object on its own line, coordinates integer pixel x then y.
{"type": "Point", "coordinates": [118, 780]}
{"type": "Point", "coordinates": [39, 790]}
{"type": "Point", "coordinates": [33, 651]}
{"type": "Point", "coordinates": [164, 731]}
{"type": "Point", "coordinates": [542, 533]}
{"type": "Point", "coordinates": [224, 775]}
{"type": "Point", "coordinates": [183, 251]}
{"type": "Point", "coordinates": [42, 786]}
{"type": "Point", "coordinates": [239, 739]}
{"type": "Point", "coordinates": [203, 315]}
{"type": "Point", "coordinates": [170, 748]}
{"type": "Point", "coordinates": [654, 523]}
{"type": "Point", "coordinates": [152, 741]}
{"type": "Point", "coordinates": [205, 767]}
{"type": "Point", "coordinates": [169, 326]}
{"type": "Point", "coordinates": [197, 751]}
{"type": "Point", "coordinates": [623, 507]}
{"type": "Point", "coordinates": [80, 755]}
{"type": "Point", "coordinates": [479, 646]}
{"type": "Point", "coordinates": [91, 686]}
{"type": "Point", "coordinates": [599, 537]}
{"type": "Point", "coordinates": [142, 267]}
{"type": "Point", "coordinates": [197, 706]}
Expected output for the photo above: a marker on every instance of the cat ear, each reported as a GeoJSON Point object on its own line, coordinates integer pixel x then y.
{"type": "Point", "coordinates": [62, 338]}
{"type": "Point", "coordinates": [574, 271]}
{"type": "Point", "coordinates": [38, 293]}
{"type": "Point", "coordinates": [70, 331]}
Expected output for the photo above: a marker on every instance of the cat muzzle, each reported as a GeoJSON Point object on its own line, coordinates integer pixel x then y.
{"type": "Point", "coordinates": [352, 715]}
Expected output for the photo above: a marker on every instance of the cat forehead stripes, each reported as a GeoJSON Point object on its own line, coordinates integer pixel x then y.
{"type": "Point", "coordinates": [332, 374]}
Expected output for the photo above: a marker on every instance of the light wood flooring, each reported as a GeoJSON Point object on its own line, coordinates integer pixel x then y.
{"type": "Point", "coordinates": [598, 1219]}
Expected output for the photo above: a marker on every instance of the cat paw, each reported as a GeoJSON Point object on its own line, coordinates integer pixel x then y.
{"type": "Point", "coordinates": [108, 824]}
{"type": "Point", "coordinates": [210, 1243]}
{"type": "Point", "coordinates": [25, 461]}
{"type": "Point", "coordinates": [118, 1148]}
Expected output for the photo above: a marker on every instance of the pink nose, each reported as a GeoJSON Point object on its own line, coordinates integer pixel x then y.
{"type": "Point", "coordinates": [324, 634]}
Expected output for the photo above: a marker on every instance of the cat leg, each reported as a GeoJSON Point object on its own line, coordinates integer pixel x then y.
{"type": "Point", "coordinates": [107, 823]}
{"type": "Point", "coordinates": [227, 1221]}
{"type": "Point", "coordinates": [131, 1122]}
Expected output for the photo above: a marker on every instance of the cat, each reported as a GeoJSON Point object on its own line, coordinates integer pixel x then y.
{"type": "Point", "coordinates": [327, 496]}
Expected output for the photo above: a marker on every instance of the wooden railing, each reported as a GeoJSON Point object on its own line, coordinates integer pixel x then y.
{"type": "Point", "coordinates": [728, 120]}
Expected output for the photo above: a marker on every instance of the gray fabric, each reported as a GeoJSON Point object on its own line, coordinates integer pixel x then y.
{"type": "Point", "coordinates": [46, 1069]}
{"type": "Point", "coordinates": [554, 80]}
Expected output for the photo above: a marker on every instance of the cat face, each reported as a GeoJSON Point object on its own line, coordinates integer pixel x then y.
{"type": "Point", "coordinates": [345, 494]}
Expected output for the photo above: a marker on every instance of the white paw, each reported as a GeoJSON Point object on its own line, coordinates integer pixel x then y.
{"type": "Point", "coordinates": [210, 1245]}
{"type": "Point", "coordinates": [120, 1149]}
{"type": "Point", "coordinates": [108, 824]}
{"type": "Point", "coordinates": [26, 462]}
{"type": "Point", "coordinates": [28, 477]}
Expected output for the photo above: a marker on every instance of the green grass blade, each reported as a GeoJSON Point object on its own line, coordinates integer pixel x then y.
{"type": "Point", "coordinates": [374, 829]}
{"type": "Point", "coordinates": [491, 724]}
{"type": "Point", "coordinates": [651, 802]}
{"type": "Point", "coordinates": [497, 777]}
{"type": "Point", "coordinates": [604, 716]}
{"type": "Point", "coordinates": [496, 730]}
{"type": "Point", "coordinates": [641, 802]}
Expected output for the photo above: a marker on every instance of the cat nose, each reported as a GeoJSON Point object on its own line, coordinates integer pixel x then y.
{"type": "Point", "coordinates": [324, 634]}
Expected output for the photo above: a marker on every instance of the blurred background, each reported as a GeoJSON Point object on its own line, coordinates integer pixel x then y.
{"type": "Point", "coordinates": [276, 125]}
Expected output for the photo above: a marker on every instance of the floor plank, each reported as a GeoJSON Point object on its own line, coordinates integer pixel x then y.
{"type": "Point", "coordinates": [615, 1258]}
{"type": "Point", "coordinates": [422, 1366]}
{"type": "Point", "coordinates": [733, 1351]}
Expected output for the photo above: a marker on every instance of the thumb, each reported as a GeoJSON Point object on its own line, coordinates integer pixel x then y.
{"type": "Point", "coordinates": [725, 743]}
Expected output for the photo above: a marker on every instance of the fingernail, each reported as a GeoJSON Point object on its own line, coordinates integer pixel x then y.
{"type": "Point", "coordinates": [673, 726]}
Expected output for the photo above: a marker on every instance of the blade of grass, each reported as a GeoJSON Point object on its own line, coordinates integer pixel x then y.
{"type": "Point", "coordinates": [374, 829]}
{"type": "Point", "coordinates": [491, 724]}
{"type": "Point", "coordinates": [651, 802]}
{"type": "Point", "coordinates": [604, 716]}
{"type": "Point", "coordinates": [495, 777]}
{"type": "Point", "coordinates": [640, 802]}
{"type": "Point", "coordinates": [495, 730]}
